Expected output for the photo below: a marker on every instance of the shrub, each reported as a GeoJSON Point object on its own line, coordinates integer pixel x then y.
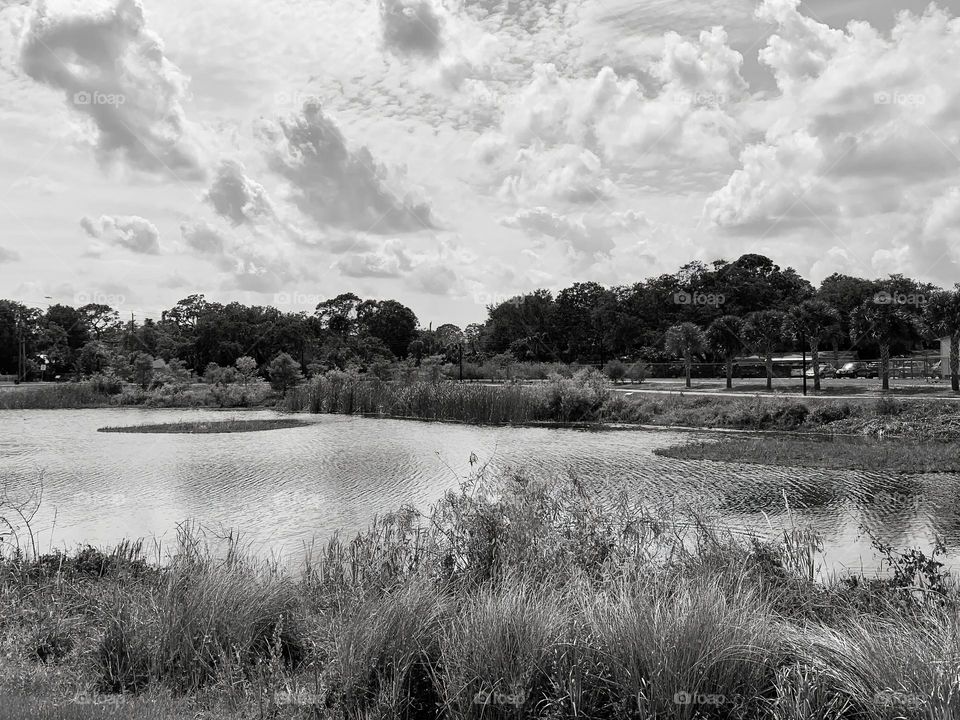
{"type": "Point", "coordinates": [284, 373]}
{"type": "Point", "coordinates": [829, 413]}
{"type": "Point", "coordinates": [889, 406]}
{"type": "Point", "coordinates": [638, 371]}
{"type": "Point", "coordinates": [615, 370]}
{"type": "Point", "coordinates": [107, 384]}
{"type": "Point", "coordinates": [790, 417]}
{"type": "Point", "coordinates": [246, 369]}
{"type": "Point", "coordinates": [580, 398]}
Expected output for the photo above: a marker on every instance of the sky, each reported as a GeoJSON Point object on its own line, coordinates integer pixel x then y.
{"type": "Point", "coordinates": [453, 153]}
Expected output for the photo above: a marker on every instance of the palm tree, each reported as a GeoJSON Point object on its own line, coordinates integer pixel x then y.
{"type": "Point", "coordinates": [814, 320]}
{"type": "Point", "coordinates": [685, 339]}
{"type": "Point", "coordinates": [885, 324]}
{"type": "Point", "coordinates": [725, 337]}
{"type": "Point", "coordinates": [764, 330]}
{"type": "Point", "coordinates": [942, 313]}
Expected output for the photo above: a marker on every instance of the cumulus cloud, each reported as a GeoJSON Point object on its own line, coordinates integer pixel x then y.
{"type": "Point", "coordinates": [390, 261]}
{"type": "Point", "coordinates": [435, 278]}
{"type": "Point", "coordinates": [335, 185]}
{"type": "Point", "coordinates": [131, 232]}
{"type": "Point", "coordinates": [112, 69]}
{"type": "Point", "coordinates": [863, 127]}
{"type": "Point", "coordinates": [202, 237]}
{"type": "Point", "coordinates": [237, 197]}
{"type": "Point", "coordinates": [7, 255]}
{"type": "Point", "coordinates": [572, 138]}
{"type": "Point", "coordinates": [587, 237]}
{"type": "Point", "coordinates": [411, 27]}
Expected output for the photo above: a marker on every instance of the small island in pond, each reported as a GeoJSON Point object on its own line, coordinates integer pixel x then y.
{"type": "Point", "coordinates": [211, 426]}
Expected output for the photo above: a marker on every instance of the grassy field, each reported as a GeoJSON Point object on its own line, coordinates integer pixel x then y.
{"type": "Point", "coordinates": [901, 456]}
{"type": "Point", "coordinates": [511, 599]}
{"type": "Point", "coordinates": [199, 427]}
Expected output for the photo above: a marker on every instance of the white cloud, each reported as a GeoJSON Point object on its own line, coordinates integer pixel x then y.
{"type": "Point", "coordinates": [390, 261]}
{"type": "Point", "coordinates": [411, 27]}
{"type": "Point", "coordinates": [203, 237]}
{"type": "Point", "coordinates": [334, 184]}
{"type": "Point", "coordinates": [587, 237]}
{"type": "Point", "coordinates": [236, 197]}
{"type": "Point", "coordinates": [131, 232]}
{"type": "Point", "coordinates": [112, 69]}
{"type": "Point", "coordinates": [863, 124]}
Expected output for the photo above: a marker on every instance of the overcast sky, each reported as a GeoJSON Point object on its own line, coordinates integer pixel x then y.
{"type": "Point", "coordinates": [450, 153]}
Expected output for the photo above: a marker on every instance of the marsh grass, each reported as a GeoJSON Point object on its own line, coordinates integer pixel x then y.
{"type": "Point", "coordinates": [900, 456]}
{"type": "Point", "coordinates": [198, 427]}
{"type": "Point", "coordinates": [512, 598]}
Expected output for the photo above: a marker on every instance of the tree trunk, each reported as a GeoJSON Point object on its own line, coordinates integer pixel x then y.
{"type": "Point", "coordinates": [955, 362]}
{"type": "Point", "coordinates": [815, 354]}
{"type": "Point", "coordinates": [885, 365]}
{"type": "Point", "coordinates": [769, 362]}
{"type": "Point", "coordinates": [729, 373]}
{"type": "Point", "coordinates": [688, 363]}
{"type": "Point", "coordinates": [836, 354]}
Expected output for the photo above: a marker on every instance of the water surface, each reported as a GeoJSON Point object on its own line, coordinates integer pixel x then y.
{"type": "Point", "coordinates": [283, 488]}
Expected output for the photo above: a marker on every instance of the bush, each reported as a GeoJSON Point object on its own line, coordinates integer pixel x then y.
{"type": "Point", "coordinates": [790, 417]}
{"type": "Point", "coordinates": [638, 371]}
{"type": "Point", "coordinates": [107, 384]}
{"type": "Point", "coordinates": [284, 373]}
{"type": "Point", "coordinates": [888, 406]}
{"type": "Point", "coordinates": [216, 375]}
{"type": "Point", "coordinates": [578, 399]}
{"type": "Point", "coordinates": [829, 413]}
{"type": "Point", "coordinates": [615, 370]}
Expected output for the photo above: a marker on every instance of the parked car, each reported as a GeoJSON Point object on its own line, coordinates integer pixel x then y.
{"type": "Point", "coordinates": [826, 371]}
{"type": "Point", "coordinates": [936, 370]}
{"type": "Point", "coordinates": [859, 370]}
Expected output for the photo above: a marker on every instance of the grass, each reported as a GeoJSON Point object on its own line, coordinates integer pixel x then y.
{"type": "Point", "coordinates": [199, 427]}
{"type": "Point", "coordinates": [512, 598]}
{"type": "Point", "coordinates": [91, 394]}
{"type": "Point", "coordinates": [901, 456]}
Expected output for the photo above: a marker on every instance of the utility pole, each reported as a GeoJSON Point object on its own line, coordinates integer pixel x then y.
{"type": "Point", "coordinates": [461, 362]}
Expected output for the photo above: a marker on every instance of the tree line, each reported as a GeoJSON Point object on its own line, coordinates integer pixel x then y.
{"type": "Point", "coordinates": [717, 312]}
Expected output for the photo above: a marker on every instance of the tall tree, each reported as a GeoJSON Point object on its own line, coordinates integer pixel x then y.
{"type": "Point", "coordinates": [390, 321]}
{"type": "Point", "coordinates": [764, 330]}
{"type": "Point", "coordinates": [814, 321]}
{"type": "Point", "coordinates": [686, 340]}
{"type": "Point", "coordinates": [725, 338]}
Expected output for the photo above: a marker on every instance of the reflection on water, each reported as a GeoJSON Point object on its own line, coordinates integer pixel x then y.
{"type": "Point", "coordinates": [282, 488]}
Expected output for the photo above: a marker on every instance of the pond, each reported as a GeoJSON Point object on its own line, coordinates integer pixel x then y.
{"type": "Point", "coordinates": [281, 489]}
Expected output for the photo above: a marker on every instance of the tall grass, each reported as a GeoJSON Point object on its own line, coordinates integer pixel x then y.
{"type": "Point", "coordinates": [510, 599]}
{"type": "Point", "coordinates": [60, 395]}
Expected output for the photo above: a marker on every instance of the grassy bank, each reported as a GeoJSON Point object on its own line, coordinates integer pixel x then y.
{"type": "Point", "coordinates": [205, 427]}
{"type": "Point", "coordinates": [90, 394]}
{"type": "Point", "coordinates": [512, 599]}
{"type": "Point", "coordinates": [585, 398]}
{"type": "Point", "coordinates": [901, 456]}
{"type": "Point", "coordinates": [588, 398]}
